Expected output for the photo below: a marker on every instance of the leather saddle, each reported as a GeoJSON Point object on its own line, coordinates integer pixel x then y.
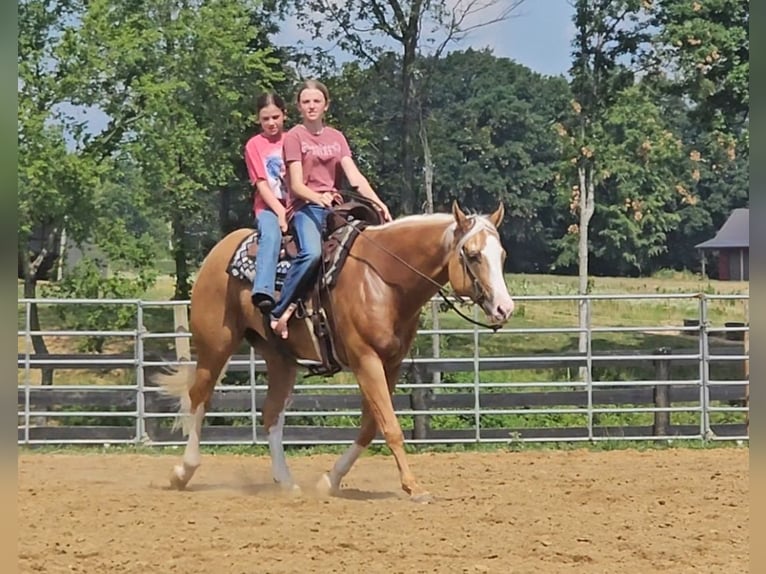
{"type": "Point", "coordinates": [344, 223]}
{"type": "Point", "coordinates": [339, 216]}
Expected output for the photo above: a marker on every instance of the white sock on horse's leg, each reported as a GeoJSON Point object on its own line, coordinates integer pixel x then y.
{"type": "Point", "coordinates": [279, 469]}
{"type": "Point", "coordinates": [191, 460]}
{"type": "Point", "coordinates": [343, 465]}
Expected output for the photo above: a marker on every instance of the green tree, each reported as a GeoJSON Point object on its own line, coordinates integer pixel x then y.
{"type": "Point", "coordinates": [708, 44]}
{"type": "Point", "coordinates": [502, 148]}
{"type": "Point", "coordinates": [55, 184]}
{"type": "Point", "coordinates": [620, 157]}
{"type": "Point", "coordinates": [182, 76]}
{"type": "Point", "coordinates": [367, 28]}
{"type": "Point", "coordinates": [703, 53]}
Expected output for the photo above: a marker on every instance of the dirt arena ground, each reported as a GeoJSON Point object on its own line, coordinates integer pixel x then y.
{"type": "Point", "coordinates": [604, 512]}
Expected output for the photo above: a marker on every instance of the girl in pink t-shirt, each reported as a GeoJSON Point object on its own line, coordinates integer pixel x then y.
{"type": "Point", "coordinates": [316, 157]}
{"type": "Point", "coordinates": [266, 168]}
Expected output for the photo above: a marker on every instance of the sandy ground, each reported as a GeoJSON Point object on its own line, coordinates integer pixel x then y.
{"type": "Point", "coordinates": [545, 511]}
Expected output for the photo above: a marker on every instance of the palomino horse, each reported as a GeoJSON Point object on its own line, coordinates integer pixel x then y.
{"type": "Point", "coordinates": [391, 272]}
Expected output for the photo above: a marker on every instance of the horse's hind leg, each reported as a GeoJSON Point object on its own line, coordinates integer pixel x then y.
{"type": "Point", "coordinates": [281, 373]}
{"type": "Point", "coordinates": [209, 369]}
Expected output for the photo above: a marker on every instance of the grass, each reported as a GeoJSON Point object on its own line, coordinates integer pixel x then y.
{"type": "Point", "coordinates": [530, 314]}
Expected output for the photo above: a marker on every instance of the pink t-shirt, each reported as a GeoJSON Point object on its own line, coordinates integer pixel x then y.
{"type": "Point", "coordinates": [320, 157]}
{"type": "Point", "coordinates": [265, 162]}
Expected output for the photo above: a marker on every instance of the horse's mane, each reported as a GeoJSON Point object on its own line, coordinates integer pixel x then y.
{"type": "Point", "coordinates": [481, 222]}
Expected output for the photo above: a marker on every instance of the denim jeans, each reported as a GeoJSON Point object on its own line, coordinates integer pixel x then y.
{"type": "Point", "coordinates": [269, 243]}
{"type": "Point", "coordinates": [308, 225]}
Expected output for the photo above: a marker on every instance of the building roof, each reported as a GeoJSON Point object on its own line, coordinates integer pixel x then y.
{"type": "Point", "coordinates": [733, 234]}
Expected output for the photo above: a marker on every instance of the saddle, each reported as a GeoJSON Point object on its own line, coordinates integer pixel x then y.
{"type": "Point", "coordinates": [354, 213]}
{"type": "Point", "coordinates": [343, 225]}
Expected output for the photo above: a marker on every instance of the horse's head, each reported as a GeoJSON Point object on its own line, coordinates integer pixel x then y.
{"type": "Point", "coordinates": [476, 265]}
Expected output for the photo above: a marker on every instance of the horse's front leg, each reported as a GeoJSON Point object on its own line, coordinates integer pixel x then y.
{"type": "Point", "coordinates": [329, 483]}
{"type": "Point", "coordinates": [373, 383]}
{"type": "Point", "coordinates": [281, 374]}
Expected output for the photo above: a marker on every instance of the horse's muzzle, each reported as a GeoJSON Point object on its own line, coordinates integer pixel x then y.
{"type": "Point", "coordinates": [498, 312]}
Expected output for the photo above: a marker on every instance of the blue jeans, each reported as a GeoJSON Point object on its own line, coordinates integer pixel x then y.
{"type": "Point", "coordinates": [308, 225]}
{"type": "Point", "coordinates": [269, 243]}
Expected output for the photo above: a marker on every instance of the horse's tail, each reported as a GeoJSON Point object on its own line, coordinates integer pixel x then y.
{"type": "Point", "coordinates": [177, 384]}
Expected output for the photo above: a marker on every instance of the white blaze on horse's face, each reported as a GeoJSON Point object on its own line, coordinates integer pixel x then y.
{"type": "Point", "coordinates": [477, 269]}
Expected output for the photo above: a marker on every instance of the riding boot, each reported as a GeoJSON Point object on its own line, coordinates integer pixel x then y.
{"type": "Point", "coordinates": [264, 302]}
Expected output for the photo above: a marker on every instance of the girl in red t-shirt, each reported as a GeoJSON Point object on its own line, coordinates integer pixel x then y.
{"type": "Point", "coordinates": [316, 156]}
{"type": "Point", "coordinates": [265, 165]}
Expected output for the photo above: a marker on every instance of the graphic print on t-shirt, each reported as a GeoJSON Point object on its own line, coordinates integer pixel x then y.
{"type": "Point", "coordinates": [321, 150]}
{"type": "Point", "coordinates": [274, 170]}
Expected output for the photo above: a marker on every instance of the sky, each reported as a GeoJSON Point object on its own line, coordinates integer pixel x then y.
{"type": "Point", "coordinates": [538, 35]}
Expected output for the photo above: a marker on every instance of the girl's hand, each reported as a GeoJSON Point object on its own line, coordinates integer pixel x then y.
{"type": "Point", "coordinates": [383, 211]}
{"type": "Point", "coordinates": [282, 219]}
{"type": "Point", "coordinates": [325, 199]}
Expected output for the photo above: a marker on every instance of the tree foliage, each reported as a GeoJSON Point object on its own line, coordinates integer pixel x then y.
{"type": "Point", "coordinates": [651, 126]}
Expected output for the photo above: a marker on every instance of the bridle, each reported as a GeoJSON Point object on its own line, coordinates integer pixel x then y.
{"type": "Point", "coordinates": [479, 292]}
{"type": "Point", "coordinates": [478, 297]}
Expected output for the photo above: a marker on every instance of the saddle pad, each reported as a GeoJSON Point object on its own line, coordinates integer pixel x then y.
{"type": "Point", "coordinates": [242, 264]}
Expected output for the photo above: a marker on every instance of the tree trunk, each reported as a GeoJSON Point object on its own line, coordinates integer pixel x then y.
{"type": "Point", "coordinates": [183, 280]}
{"type": "Point", "coordinates": [409, 122]}
{"type": "Point", "coordinates": [587, 204]}
{"type": "Point", "coordinates": [38, 343]}
{"type": "Point", "coordinates": [224, 209]}
{"type": "Point", "coordinates": [419, 395]}
{"type": "Point", "coordinates": [30, 292]}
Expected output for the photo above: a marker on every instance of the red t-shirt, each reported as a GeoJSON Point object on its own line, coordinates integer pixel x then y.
{"type": "Point", "coordinates": [265, 162]}
{"type": "Point", "coordinates": [320, 157]}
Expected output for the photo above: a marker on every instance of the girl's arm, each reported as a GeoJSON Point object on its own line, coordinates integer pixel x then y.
{"type": "Point", "coordinates": [301, 190]}
{"type": "Point", "coordinates": [271, 201]}
{"type": "Point", "coordinates": [256, 172]}
{"type": "Point", "coordinates": [356, 179]}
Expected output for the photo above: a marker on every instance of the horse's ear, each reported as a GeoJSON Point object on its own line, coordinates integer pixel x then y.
{"type": "Point", "coordinates": [460, 217]}
{"type": "Point", "coordinates": [497, 217]}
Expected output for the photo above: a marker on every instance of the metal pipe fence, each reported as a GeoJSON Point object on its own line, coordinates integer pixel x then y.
{"type": "Point", "coordinates": [466, 400]}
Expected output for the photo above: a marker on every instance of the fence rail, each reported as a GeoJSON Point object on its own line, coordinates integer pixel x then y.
{"type": "Point", "coordinates": [663, 406]}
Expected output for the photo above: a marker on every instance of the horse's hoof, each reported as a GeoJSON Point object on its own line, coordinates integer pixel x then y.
{"type": "Point", "coordinates": [422, 498]}
{"type": "Point", "coordinates": [292, 490]}
{"type": "Point", "coordinates": [325, 487]}
{"type": "Point", "coordinates": [176, 480]}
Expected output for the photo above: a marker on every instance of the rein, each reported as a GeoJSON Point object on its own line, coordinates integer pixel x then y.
{"type": "Point", "coordinates": [439, 288]}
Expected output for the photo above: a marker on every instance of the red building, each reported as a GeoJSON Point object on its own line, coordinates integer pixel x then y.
{"type": "Point", "coordinates": [731, 246]}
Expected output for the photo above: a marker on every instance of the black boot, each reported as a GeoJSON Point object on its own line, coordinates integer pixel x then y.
{"type": "Point", "coordinates": [264, 302]}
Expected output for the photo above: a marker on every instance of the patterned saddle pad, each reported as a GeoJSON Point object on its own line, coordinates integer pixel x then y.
{"type": "Point", "coordinates": [242, 264]}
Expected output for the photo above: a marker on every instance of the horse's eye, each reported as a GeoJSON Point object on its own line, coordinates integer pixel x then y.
{"type": "Point", "coordinates": [473, 256]}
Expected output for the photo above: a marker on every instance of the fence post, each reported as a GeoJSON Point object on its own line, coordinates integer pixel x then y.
{"type": "Point", "coordinates": [747, 378]}
{"type": "Point", "coordinates": [662, 393]}
{"type": "Point", "coordinates": [141, 431]}
{"type": "Point", "coordinates": [589, 364]}
{"type": "Point", "coordinates": [418, 403]}
{"type": "Point", "coordinates": [181, 323]}
{"type": "Point", "coordinates": [705, 430]}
